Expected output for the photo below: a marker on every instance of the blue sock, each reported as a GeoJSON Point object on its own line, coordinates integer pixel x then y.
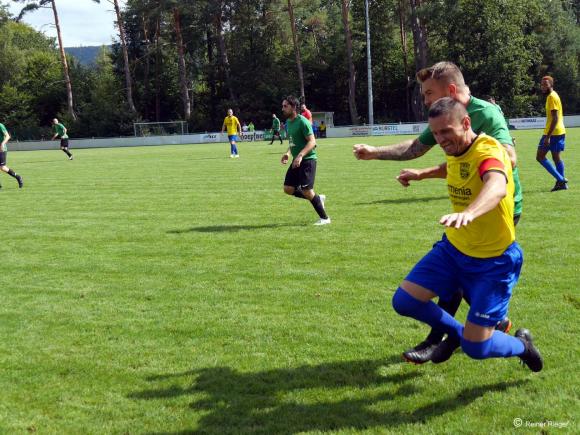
{"type": "Point", "coordinates": [500, 345]}
{"type": "Point", "coordinates": [550, 168]}
{"type": "Point", "coordinates": [235, 149]}
{"type": "Point", "coordinates": [232, 147]}
{"type": "Point", "coordinates": [560, 168]}
{"type": "Point", "coordinates": [426, 312]}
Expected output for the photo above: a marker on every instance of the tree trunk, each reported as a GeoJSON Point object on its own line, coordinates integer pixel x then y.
{"type": "Point", "coordinates": [405, 60]}
{"type": "Point", "coordinates": [211, 75]}
{"type": "Point", "coordinates": [223, 51]}
{"type": "Point", "coordinates": [146, 72]}
{"type": "Point", "coordinates": [296, 51]}
{"type": "Point", "coordinates": [420, 47]}
{"type": "Point", "coordinates": [182, 69]}
{"type": "Point", "coordinates": [351, 71]}
{"type": "Point", "coordinates": [128, 80]}
{"type": "Point", "coordinates": [69, 93]}
{"type": "Point", "coordinates": [157, 71]}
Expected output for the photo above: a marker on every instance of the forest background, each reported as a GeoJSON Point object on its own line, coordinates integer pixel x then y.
{"type": "Point", "coordinates": [191, 60]}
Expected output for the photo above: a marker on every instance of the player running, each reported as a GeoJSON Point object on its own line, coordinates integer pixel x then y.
{"type": "Point", "coordinates": [301, 174]}
{"type": "Point", "coordinates": [3, 154]}
{"type": "Point", "coordinates": [478, 252]}
{"type": "Point", "coordinates": [60, 132]}
{"type": "Point", "coordinates": [444, 79]}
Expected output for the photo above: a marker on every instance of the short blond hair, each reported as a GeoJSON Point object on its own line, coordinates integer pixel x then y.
{"type": "Point", "coordinates": [549, 79]}
{"type": "Point", "coordinates": [446, 72]}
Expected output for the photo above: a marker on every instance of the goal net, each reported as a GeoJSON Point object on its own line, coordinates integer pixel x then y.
{"type": "Point", "coordinates": [160, 128]}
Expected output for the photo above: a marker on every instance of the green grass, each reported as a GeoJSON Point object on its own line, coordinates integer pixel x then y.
{"type": "Point", "coordinates": [174, 290]}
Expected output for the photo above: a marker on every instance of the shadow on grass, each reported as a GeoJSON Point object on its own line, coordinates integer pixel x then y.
{"type": "Point", "coordinates": [259, 403]}
{"type": "Point", "coordinates": [405, 200]}
{"type": "Point", "coordinates": [205, 158]}
{"type": "Point", "coordinates": [230, 228]}
{"type": "Point", "coordinates": [42, 161]}
{"type": "Point", "coordinates": [540, 191]}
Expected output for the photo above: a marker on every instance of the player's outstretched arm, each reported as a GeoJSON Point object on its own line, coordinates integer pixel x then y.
{"type": "Point", "coordinates": [493, 191]}
{"type": "Point", "coordinates": [408, 175]}
{"type": "Point", "coordinates": [285, 157]}
{"type": "Point", "coordinates": [407, 150]}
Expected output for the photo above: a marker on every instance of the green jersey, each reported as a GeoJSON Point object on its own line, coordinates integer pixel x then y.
{"type": "Point", "coordinates": [251, 127]}
{"type": "Point", "coordinates": [486, 118]}
{"type": "Point", "coordinates": [60, 131]}
{"type": "Point", "coordinates": [298, 130]}
{"type": "Point", "coordinates": [276, 124]}
{"type": "Point", "coordinates": [4, 133]}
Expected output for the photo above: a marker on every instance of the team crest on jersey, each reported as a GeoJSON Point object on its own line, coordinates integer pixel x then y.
{"type": "Point", "coordinates": [464, 170]}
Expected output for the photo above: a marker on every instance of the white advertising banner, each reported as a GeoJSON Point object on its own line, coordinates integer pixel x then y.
{"type": "Point", "coordinates": [527, 123]}
{"type": "Point", "coordinates": [376, 130]}
{"type": "Point", "coordinates": [388, 129]}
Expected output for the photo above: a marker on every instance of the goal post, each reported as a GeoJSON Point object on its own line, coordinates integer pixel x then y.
{"type": "Point", "coordinates": [160, 128]}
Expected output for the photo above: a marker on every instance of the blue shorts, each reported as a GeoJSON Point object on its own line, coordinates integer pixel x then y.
{"type": "Point", "coordinates": [557, 143]}
{"type": "Point", "coordinates": [233, 137]}
{"type": "Point", "coordinates": [487, 282]}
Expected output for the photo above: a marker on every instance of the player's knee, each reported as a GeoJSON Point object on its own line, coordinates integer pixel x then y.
{"type": "Point", "coordinates": [289, 190]}
{"type": "Point", "coordinates": [403, 303]}
{"type": "Point", "coordinates": [475, 349]}
{"type": "Point", "coordinates": [309, 194]}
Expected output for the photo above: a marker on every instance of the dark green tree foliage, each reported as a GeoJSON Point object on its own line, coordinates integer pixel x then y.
{"type": "Point", "coordinates": [495, 45]}
{"type": "Point", "coordinates": [101, 111]}
{"type": "Point", "coordinates": [503, 47]}
{"type": "Point", "coordinates": [560, 47]}
{"type": "Point", "coordinates": [30, 79]}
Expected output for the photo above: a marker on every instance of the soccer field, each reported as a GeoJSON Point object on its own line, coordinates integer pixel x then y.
{"type": "Point", "coordinates": [175, 290]}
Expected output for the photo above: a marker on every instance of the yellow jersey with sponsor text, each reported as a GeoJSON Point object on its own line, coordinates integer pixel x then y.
{"type": "Point", "coordinates": [490, 234]}
{"type": "Point", "coordinates": [553, 102]}
{"type": "Point", "coordinates": [231, 123]}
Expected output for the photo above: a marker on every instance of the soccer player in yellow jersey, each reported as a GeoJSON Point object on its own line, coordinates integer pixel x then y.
{"type": "Point", "coordinates": [554, 137]}
{"type": "Point", "coordinates": [445, 79]}
{"type": "Point", "coordinates": [478, 252]}
{"type": "Point", "coordinates": [232, 124]}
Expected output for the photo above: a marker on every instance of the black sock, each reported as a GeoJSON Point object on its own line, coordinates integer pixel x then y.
{"type": "Point", "coordinates": [298, 194]}
{"type": "Point", "coordinates": [67, 152]}
{"type": "Point", "coordinates": [12, 173]}
{"type": "Point", "coordinates": [317, 204]}
{"type": "Point", "coordinates": [451, 306]}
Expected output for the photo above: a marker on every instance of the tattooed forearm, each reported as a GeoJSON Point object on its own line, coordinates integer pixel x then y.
{"type": "Point", "coordinates": [407, 150]}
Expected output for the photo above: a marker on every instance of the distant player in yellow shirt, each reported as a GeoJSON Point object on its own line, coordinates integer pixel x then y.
{"type": "Point", "coordinates": [478, 252]}
{"type": "Point", "coordinates": [554, 138]}
{"type": "Point", "coordinates": [232, 124]}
